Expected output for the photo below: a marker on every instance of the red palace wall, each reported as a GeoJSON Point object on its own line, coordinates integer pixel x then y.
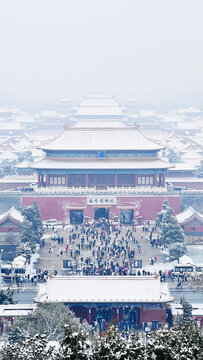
{"type": "Point", "coordinates": [152, 315]}
{"type": "Point", "coordinates": [59, 207]}
{"type": "Point", "coordinates": [194, 229]}
{"type": "Point", "coordinates": [6, 229]}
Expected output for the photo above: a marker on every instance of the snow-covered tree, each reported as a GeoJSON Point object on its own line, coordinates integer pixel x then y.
{"type": "Point", "coordinates": [176, 250]}
{"type": "Point", "coordinates": [6, 297]}
{"type": "Point", "coordinates": [186, 318]}
{"type": "Point", "coordinates": [48, 319]}
{"type": "Point", "coordinates": [36, 348]}
{"type": "Point", "coordinates": [28, 239]}
{"type": "Point", "coordinates": [75, 345]}
{"type": "Point", "coordinates": [174, 344]}
{"type": "Point", "coordinates": [165, 206]}
{"type": "Point", "coordinates": [32, 214]}
{"type": "Point", "coordinates": [112, 346]}
{"type": "Point", "coordinates": [173, 156]}
{"type": "Point", "coordinates": [36, 221]}
{"type": "Point", "coordinates": [171, 233]}
{"type": "Point", "coordinates": [199, 171]}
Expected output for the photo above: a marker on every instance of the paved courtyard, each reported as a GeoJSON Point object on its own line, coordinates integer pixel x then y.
{"type": "Point", "coordinates": [53, 253]}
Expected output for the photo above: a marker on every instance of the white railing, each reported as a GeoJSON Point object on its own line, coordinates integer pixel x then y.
{"type": "Point", "coordinates": [121, 191]}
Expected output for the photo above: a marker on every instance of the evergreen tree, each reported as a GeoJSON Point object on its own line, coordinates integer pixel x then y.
{"type": "Point", "coordinates": [28, 239]}
{"type": "Point", "coordinates": [112, 346]}
{"type": "Point", "coordinates": [35, 348]}
{"type": "Point", "coordinates": [36, 221]}
{"type": "Point", "coordinates": [173, 157]}
{"type": "Point", "coordinates": [6, 297]}
{"type": "Point", "coordinates": [186, 318]}
{"type": "Point", "coordinates": [32, 214]}
{"type": "Point", "coordinates": [75, 345]}
{"type": "Point", "coordinates": [48, 319]}
{"type": "Point", "coordinates": [171, 233]}
{"type": "Point", "coordinates": [165, 206]}
{"type": "Point", "coordinates": [199, 171]}
{"type": "Point", "coordinates": [176, 250]}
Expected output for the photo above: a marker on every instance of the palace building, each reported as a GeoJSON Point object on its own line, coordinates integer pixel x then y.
{"type": "Point", "coordinates": [142, 303]}
{"type": "Point", "coordinates": [100, 162]}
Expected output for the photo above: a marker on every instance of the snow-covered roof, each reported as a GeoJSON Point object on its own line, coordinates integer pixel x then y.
{"type": "Point", "coordinates": [191, 109]}
{"type": "Point", "coordinates": [188, 215]}
{"type": "Point", "coordinates": [104, 289]}
{"type": "Point", "coordinates": [8, 155]}
{"type": "Point", "coordinates": [186, 260]}
{"type": "Point", "coordinates": [11, 126]}
{"type": "Point", "coordinates": [99, 124]}
{"type": "Point", "coordinates": [175, 144]}
{"type": "Point", "coordinates": [23, 164]}
{"type": "Point", "coordinates": [187, 125]}
{"type": "Point", "coordinates": [147, 113]}
{"type": "Point", "coordinates": [16, 309]}
{"type": "Point", "coordinates": [65, 163]}
{"type": "Point", "coordinates": [19, 261]}
{"type": "Point", "coordinates": [13, 214]}
{"type": "Point", "coordinates": [49, 113]}
{"type": "Point", "coordinates": [99, 100]}
{"type": "Point", "coordinates": [99, 110]}
{"type": "Point", "coordinates": [183, 166]}
{"type": "Point", "coordinates": [129, 138]}
{"type": "Point", "coordinates": [192, 155]}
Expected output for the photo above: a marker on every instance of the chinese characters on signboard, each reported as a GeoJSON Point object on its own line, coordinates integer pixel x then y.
{"type": "Point", "coordinates": [101, 200]}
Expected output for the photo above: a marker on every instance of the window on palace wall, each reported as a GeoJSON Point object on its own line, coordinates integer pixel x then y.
{"type": "Point", "coordinates": [57, 180]}
{"type": "Point", "coordinates": [126, 180]}
{"type": "Point", "coordinates": [77, 180]}
{"type": "Point", "coordinates": [145, 180]}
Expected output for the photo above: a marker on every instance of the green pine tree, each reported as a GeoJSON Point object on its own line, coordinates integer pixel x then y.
{"type": "Point", "coordinates": [171, 233]}
{"type": "Point", "coordinates": [75, 345]}
{"type": "Point", "coordinates": [6, 297]}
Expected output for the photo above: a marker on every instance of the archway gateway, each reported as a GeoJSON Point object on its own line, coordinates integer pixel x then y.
{"type": "Point", "coordinates": [76, 217]}
{"type": "Point", "coordinates": [126, 216]}
{"type": "Point", "coordinates": [101, 213]}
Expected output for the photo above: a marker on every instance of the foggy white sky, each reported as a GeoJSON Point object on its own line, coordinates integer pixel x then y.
{"type": "Point", "coordinates": [149, 49]}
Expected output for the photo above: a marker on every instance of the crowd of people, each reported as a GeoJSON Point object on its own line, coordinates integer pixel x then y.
{"type": "Point", "coordinates": [102, 248]}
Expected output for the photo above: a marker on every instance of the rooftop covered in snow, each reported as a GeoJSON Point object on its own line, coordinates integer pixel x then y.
{"type": "Point", "coordinates": [104, 289]}
{"type": "Point", "coordinates": [107, 164]}
{"type": "Point", "coordinates": [188, 215]}
{"type": "Point", "coordinates": [13, 214]}
{"type": "Point", "coordinates": [129, 138]}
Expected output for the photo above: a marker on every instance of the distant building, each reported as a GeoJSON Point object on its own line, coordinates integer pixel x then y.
{"type": "Point", "coordinates": [100, 155]}
{"type": "Point", "coordinates": [192, 223]}
{"type": "Point", "coordinates": [197, 313]}
{"type": "Point", "coordinates": [10, 222]}
{"type": "Point", "coordinates": [10, 311]}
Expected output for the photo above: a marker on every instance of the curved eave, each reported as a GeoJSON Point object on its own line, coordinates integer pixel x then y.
{"type": "Point", "coordinates": [8, 217]}
{"type": "Point", "coordinates": [70, 164]}
{"type": "Point", "coordinates": [193, 217]}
